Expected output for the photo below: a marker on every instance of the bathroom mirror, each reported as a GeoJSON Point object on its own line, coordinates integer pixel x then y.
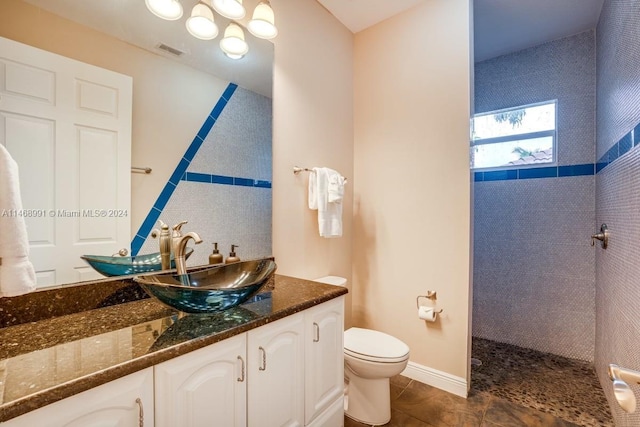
{"type": "Point", "coordinates": [177, 83]}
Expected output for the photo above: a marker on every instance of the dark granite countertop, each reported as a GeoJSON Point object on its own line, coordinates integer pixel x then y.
{"type": "Point", "coordinates": [57, 343]}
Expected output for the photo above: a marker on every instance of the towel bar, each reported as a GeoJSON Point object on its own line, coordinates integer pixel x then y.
{"type": "Point", "coordinates": [297, 170]}
{"type": "Point", "coordinates": [145, 170]}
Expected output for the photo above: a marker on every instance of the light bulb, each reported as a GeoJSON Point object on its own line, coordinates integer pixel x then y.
{"type": "Point", "coordinates": [233, 44]}
{"type": "Point", "coordinates": [232, 9]}
{"type": "Point", "coordinates": [232, 56]}
{"type": "Point", "coordinates": [165, 9]}
{"type": "Point", "coordinates": [201, 25]}
{"type": "Point", "coordinates": [262, 23]}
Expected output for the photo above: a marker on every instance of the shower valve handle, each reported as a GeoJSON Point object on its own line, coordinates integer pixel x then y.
{"type": "Point", "coordinates": [603, 236]}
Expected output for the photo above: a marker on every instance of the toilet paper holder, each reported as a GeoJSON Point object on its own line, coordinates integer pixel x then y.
{"type": "Point", "coordinates": [430, 295]}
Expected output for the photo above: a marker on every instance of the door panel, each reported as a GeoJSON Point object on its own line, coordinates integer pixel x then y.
{"type": "Point", "coordinates": [68, 125]}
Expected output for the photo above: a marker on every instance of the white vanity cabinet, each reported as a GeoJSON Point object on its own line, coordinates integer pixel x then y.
{"type": "Point", "coordinates": [125, 402]}
{"type": "Point", "coordinates": [276, 373]}
{"type": "Point", "coordinates": [285, 373]}
{"type": "Point", "coordinates": [207, 387]}
{"type": "Point", "coordinates": [324, 366]}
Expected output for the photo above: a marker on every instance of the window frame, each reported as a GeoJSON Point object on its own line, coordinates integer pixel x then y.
{"type": "Point", "coordinates": [553, 133]}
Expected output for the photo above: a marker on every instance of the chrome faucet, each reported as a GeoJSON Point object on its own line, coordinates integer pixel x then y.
{"type": "Point", "coordinates": [176, 236]}
{"type": "Point", "coordinates": [174, 243]}
{"type": "Point", "coordinates": [164, 243]}
{"type": "Point", "coordinates": [180, 249]}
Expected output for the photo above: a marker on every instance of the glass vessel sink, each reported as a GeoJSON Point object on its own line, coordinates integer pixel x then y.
{"type": "Point", "coordinates": [211, 289]}
{"type": "Point", "coordinates": [123, 265]}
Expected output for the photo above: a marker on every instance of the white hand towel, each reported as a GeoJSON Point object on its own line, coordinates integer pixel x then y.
{"type": "Point", "coordinates": [336, 186]}
{"type": "Point", "coordinates": [329, 214]}
{"type": "Point", "coordinates": [313, 189]}
{"type": "Point", "coordinates": [17, 275]}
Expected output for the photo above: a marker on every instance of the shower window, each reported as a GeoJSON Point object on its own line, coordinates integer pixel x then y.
{"type": "Point", "coordinates": [517, 137]}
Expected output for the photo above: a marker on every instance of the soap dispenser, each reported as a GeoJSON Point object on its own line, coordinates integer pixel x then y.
{"type": "Point", "coordinates": [232, 255]}
{"type": "Point", "coordinates": [216, 257]}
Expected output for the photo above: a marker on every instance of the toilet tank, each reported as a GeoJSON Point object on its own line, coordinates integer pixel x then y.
{"type": "Point", "coordinates": [332, 280]}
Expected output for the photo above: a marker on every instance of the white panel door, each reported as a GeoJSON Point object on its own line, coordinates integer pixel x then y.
{"type": "Point", "coordinates": [205, 388]}
{"type": "Point", "coordinates": [68, 126]}
{"type": "Point", "coordinates": [324, 357]}
{"type": "Point", "coordinates": [275, 357]}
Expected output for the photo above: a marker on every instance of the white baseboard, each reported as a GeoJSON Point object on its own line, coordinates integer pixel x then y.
{"type": "Point", "coordinates": [433, 377]}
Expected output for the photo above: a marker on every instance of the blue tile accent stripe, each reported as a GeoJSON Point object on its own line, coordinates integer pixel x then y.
{"type": "Point", "coordinates": [225, 180]}
{"type": "Point", "coordinates": [531, 173]}
{"type": "Point", "coordinates": [576, 170]}
{"type": "Point", "coordinates": [546, 172]}
{"type": "Point", "coordinates": [181, 170]}
{"type": "Point", "coordinates": [619, 149]}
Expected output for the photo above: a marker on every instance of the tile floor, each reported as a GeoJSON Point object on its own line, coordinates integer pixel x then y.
{"type": "Point", "coordinates": [513, 387]}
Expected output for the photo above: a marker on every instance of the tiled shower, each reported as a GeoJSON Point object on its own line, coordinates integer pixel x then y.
{"type": "Point", "coordinates": [618, 193]}
{"type": "Point", "coordinates": [534, 274]}
{"type": "Point", "coordinates": [537, 281]}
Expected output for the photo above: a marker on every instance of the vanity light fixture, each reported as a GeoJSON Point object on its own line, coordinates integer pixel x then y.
{"type": "Point", "coordinates": [233, 44]}
{"type": "Point", "coordinates": [262, 23]}
{"type": "Point", "coordinates": [201, 24]}
{"type": "Point", "coordinates": [170, 10]}
{"type": "Point", "coordinates": [232, 9]}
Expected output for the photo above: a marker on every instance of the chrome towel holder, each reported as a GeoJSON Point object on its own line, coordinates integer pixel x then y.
{"type": "Point", "coordinates": [298, 169]}
{"type": "Point", "coordinates": [138, 169]}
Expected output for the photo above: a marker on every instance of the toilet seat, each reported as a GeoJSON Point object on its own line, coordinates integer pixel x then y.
{"type": "Point", "coordinates": [374, 346]}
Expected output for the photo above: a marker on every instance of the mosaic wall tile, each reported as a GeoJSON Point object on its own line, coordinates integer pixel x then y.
{"type": "Point", "coordinates": [564, 70]}
{"type": "Point", "coordinates": [225, 193]}
{"type": "Point", "coordinates": [618, 88]}
{"type": "Point", "coordinates": [618, 195]}
{"type": "Point", "coordinates": [223, 214]}
{"type": "Point", "coordinates": [534, 274]}
{"type": "Point", "coordinates": [240, 143]}
{"type": "Point", "coordinates": [618, 290]}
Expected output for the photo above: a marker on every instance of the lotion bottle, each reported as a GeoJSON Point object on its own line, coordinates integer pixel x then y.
{"type": "Point", "coordinates": [232, 255]}
{"type": "Point", "coordinates": [216, 257]}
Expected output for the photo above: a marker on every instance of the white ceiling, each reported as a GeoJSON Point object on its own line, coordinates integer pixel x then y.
{"type": "Point", "coordinates": [506, 26]}
{"type": "Point", "coordinates": [357, 15]}
{"type": "Point", "coordinates": [130, 21]}
{"type": "Point", "coordinates": [500, 26]}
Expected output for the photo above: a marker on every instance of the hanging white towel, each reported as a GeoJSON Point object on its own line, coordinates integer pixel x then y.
{"type": "Point", "coordinates": [335, 187]}
{"type": "Point", "coordinates": [329, 213]}
{"type": "Point", "coordinates": [17, 275]}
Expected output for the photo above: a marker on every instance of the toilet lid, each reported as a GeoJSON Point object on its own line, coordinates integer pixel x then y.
{"type": "Point", "coordinates": [374, 346]}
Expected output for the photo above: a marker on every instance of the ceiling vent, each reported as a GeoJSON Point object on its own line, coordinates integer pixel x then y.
{"type": "Point", "coordinates": [170, 49]}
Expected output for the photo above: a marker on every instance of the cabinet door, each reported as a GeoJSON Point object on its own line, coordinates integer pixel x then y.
{"type": "Point", "coordinates": [324, 359]}
{"type": "Point", "coordinates": [332, 417]}
{"type": "Point", "coordinates": [275, 356]}
{"type": "Point", "coordinates": [125, 402]}
{"type": "Point", "coordinates": [206, 387]}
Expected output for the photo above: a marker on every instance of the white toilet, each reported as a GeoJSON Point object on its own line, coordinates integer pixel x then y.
{"type": "Point", "coordinates": [370, 359]}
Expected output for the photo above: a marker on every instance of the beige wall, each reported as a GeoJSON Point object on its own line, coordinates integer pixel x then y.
{"type": "Point", "coordinates": [170, 100]}
{"type": "Point", "coordinates": [412, 185]}
{"type": "Point", "coordinates": [409, 175]}
{"type": "Point", "coordinates": [313, 126]}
